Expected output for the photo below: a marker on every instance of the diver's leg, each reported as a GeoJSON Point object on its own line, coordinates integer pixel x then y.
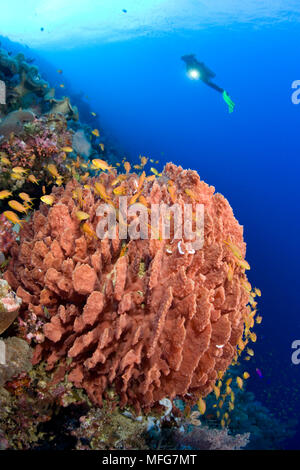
{"type": "Point", "coordinates": [214, 86]}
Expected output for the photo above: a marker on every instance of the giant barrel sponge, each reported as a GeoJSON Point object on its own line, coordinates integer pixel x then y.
{"type": "Point", "coordinates": [150, 321]}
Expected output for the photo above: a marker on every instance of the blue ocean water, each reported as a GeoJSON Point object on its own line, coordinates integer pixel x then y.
{"type": "Point", "coordinates": [147, 105]}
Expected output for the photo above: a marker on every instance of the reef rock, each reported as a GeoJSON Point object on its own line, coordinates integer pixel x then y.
{"type": "Point", "coordinates": [17, 358]}
{"type": "Point", "coordinates": [9, 306]}
{"type": "Point", "coordinates": [64, 107]}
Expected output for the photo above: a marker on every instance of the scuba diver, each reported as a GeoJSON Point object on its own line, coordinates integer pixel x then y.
{"type": "Point", "coordinates": [199, 71]}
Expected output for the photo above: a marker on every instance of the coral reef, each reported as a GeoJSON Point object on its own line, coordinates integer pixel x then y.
{"type": "Point", "coordinates": [40, 143]}
{"type": "Point", "coordinates": [30, 90]}
{"type": "Point", "coordinates": [9, 305]}
{"type": "Point", "coordinates": [107, 428]}
{"type": "Point", "coordinates": [155, 321]}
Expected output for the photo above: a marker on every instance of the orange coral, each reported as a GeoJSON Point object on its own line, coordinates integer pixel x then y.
{"type": "Point", "coordinates": [150, 322]}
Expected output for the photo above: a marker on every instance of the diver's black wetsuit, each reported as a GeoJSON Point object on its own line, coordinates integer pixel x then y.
{"type": "Point", "coordinates": [204, 73]}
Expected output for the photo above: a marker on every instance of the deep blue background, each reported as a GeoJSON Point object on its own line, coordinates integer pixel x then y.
{"type": "Point", "coordinates": [146, 102]}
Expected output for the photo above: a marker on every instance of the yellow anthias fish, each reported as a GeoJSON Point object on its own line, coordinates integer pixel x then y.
{"type": "Point", "coordinates": [88, 230]}
{"type": "Point", "coordinates": [16, 176]}
{"type": "Point", "coordinates": [247, 286]}
{"type": "Point", "coordinates": [101, 164]}
{"type": "Point", "coordinates": [62, 85]}
{"type": "Point", "coordinates": [12, 217]}
{"type": "Point", "coordinates": [32, 179]}
{"type": "Point", "coordinates": [119, 191]}
{"type": "Point", "coordinates": [172, 191]}
{"type": "Point", "coordinates": [246, 375]}
{"type": "Point", "coordinates": [154, 171]}
{"type": "Point", "coordinates": [96, 133]}
{"type": "Point", "coordinates": [243, 263]}
{"type": "Point", "coordinates": [127, 167]}
{"type": "Point", "coordinates": [239, 382]}
{"type": "Point", "coordinates": [19, 170]}
{"type": "Point", "coordinates": [5, 160]}
{"type": "Point", "coordinates": [250, 352]}
{"type": "Point", "coordinates": [201, 406]}
{"type": "Point", "coordinates": [102, 146]}
{"type": "Point", "coordinates": [53, 170]}
{"type": "Point", "coordinates": [26, 198]}
{"type": "Point", "coordinates": [5, 194]}
{"type": "Point", "coordinates": [82, 215]}
{"type": "Point", "coordinates": [93, 114]}
{"type": "Point", "coordinates": [258, 319]}
{"type": "Point", "coordinates": [100, 189]}
{"type": "Point", "coordinates": [77, 194]}
{"type": "Point", "coordinates": [258, 292]}
{"type": "Point", "coordinates": [67, 149]}
{"type": "Point", "coordinates": [134, 198]}
{"type": "Point", "coordinates": [234, 249]}
{"type": "Point", "coordinates": [217, 392]}
{"type": "Point", "coordinates": [144, 161]}
{"type": "Point", "coordinates": [123, 250]}
{"type": "Point", "coordinates": [17, 206]}
{"type": "Point", "coordinates": [231, 406]}
{"type": "Point", "coordinates": [48, 200]}
{"type": "Point", "coordinates": [253, 337]}
{"type": "Point", "coordinates": [143, 200]}
{"type": "Point", "coordinates": [230, 273]}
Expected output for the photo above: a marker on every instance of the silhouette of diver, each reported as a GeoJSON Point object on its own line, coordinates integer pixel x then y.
{"type": "Point", "coordinates": [199, 71]}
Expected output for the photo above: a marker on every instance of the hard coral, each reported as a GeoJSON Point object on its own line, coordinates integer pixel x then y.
{"type": "Point", "coordinates": [154, 322]}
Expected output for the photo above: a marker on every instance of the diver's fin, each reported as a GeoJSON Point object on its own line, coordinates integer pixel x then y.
{"type": "Point", "coordinates": [229, 101]}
